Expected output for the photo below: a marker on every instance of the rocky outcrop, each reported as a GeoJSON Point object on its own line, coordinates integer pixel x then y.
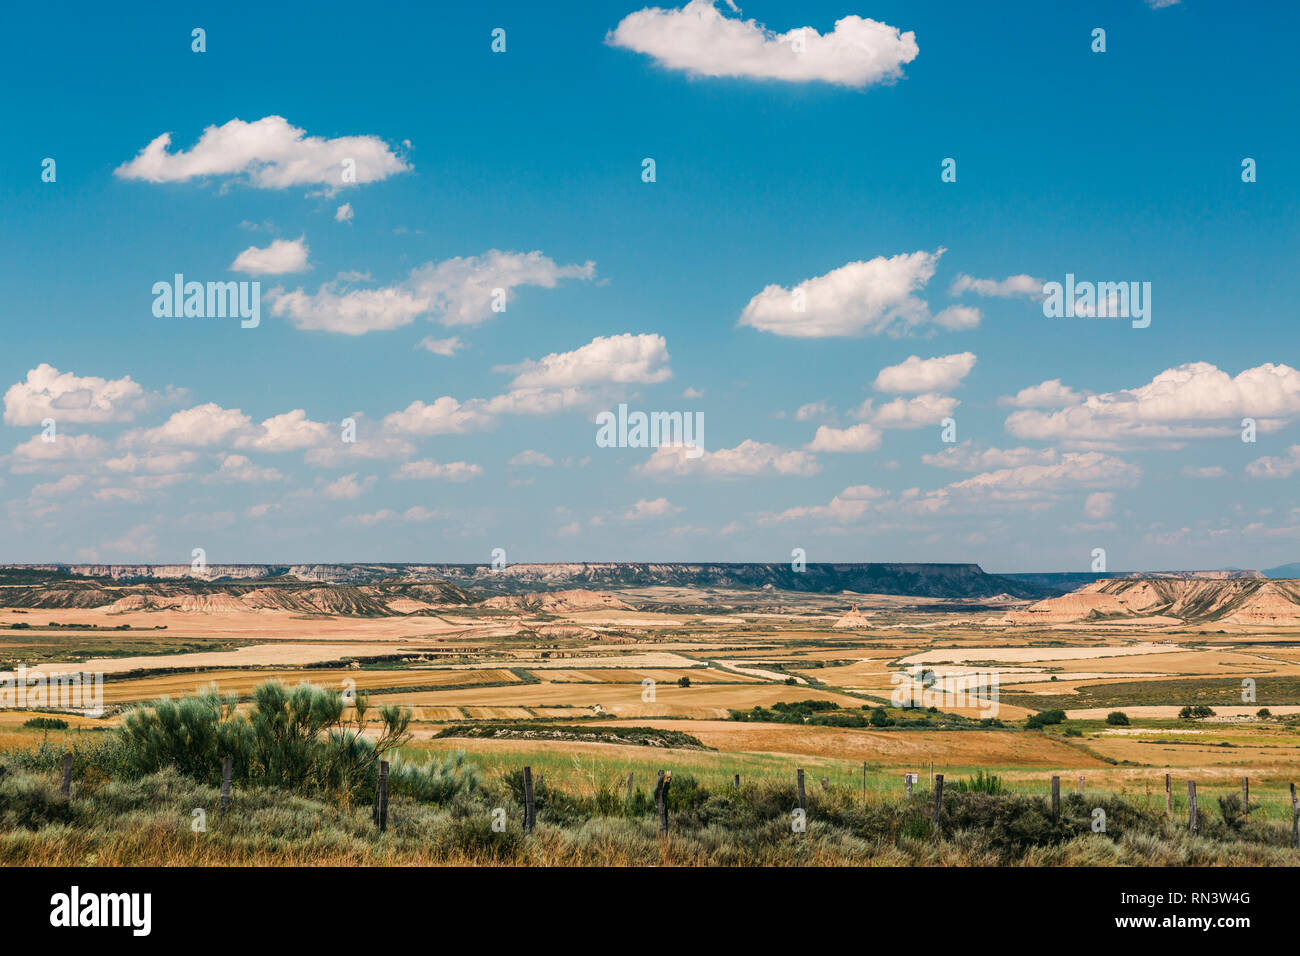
{"type": "Point", "coordinates": [1237, 600]}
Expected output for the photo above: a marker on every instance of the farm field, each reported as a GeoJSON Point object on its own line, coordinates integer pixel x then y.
{"type": "Point", "coordinates": [587, 696]}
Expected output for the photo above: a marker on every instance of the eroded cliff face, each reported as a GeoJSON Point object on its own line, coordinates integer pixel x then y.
{"type": "Point", "coordinates": [1245, 601]}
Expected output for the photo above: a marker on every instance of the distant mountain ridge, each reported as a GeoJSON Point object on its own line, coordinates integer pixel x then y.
{"type": "Point", "coordinates": [904, 579]}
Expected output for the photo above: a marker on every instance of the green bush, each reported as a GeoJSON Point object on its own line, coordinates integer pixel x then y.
{"type": "Point", "coordinates": [1044, 718]}
{"type": "Point", "coordinates": [297, 739]}
{"type": "Point", "coordinates": [1117, 718]}
{"type": "Point", "coordinates": [45, 723]}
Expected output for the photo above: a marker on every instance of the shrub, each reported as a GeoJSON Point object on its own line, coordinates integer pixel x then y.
{"type": "Point", "coordinates": [1044, 718]}
{"type": "Point", "coordinates": [1191, 712]}
{"type": "Point", "coordinates": [683, 681]}
{"type": "Point", "coordinates": [45, 723]}
{"type": "Point", "coordinates": [1263, 713]}
{"type": "Point", "coordinates": [293, 738]}
{"type": "Point", "coordinates": [980, 783]}
{"type": "Point", "coordinates": [1117, 718]}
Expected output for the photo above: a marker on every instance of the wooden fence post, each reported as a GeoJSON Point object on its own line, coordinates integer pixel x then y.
{"type": "Point", "coordinates": [907, 783]}
{"type": "Point", "coordinates": [1295, 820]}
{"type": "Point", "coordinates": [1080, 786]}
{"type": "Point", "coordinates": [1056, 797]}
{"type": "Point", "coordinates": [1169, 799]}
{"type": "Point", "coordinates": [938, 802]}
{"type": "Point", "coordinates": [227, 770]}
{"type": "Point", "coordinates": [1245, 796]}
{"type": "Point", "coordinates": [1191, 807]}
{"type": "Point", "coordinates": [66, 787]}
{"type": "Point", "coordinates": [799, 777]}
{"type": "Point", "coordinates": [663, 781]}
{"type": "Point", "coordinates": [530, 806]}
{"type": "Point", "coordinates": [735, 783]}
{"type": "Point", "coordinates": [864, 783]}
{"type": "Point", "coordinates": [629, 786]}
{"type": "Point", "coordinates": [381, 797]}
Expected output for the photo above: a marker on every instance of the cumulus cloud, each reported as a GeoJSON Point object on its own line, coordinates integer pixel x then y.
{"type": "Point", "coordinates": [916, 374]}
{"type": "Point", "coordinates": [73, 399]}
{"type": "Point", "coordinates": [967, 457]}
{"type": "Point", "coordinates": [656, 508]}
{"type": "Point", "coordinates": [1049, 394]}
{"type": "Point", "coordinates": [210, 424]}
{"type": "Point", "coordinates": [269, 154]}
{"type": "Point", "coordinates": [63, 448]}
{"type": "Point", "coordinates": [344, 213]}
{"type": "Point", "coordinates": [1196, 400]}
{"type": "Point", "coordinates": [530, 457]}
{"type": "Point", "coordinates": [457, 291]}
{"type": "Point", "coordinates": [749, 459]}
{"type": "Point", "coordinates": [856, 438]}
{"type": "Point", "coordinates": [916, 412]}
{"type": "Point", "coordinates": [1072, 470]}
{"type": "Point", "coordinates": [1098, 504]}
{"type": "Point", "coordinates": [450, 416]}
{"type": "Point", "coordinates": [1022, 285]}
{"type": "Point", "coordinates": [1281, 466]}
{"type": "Point", "coordinates": [860, 298]}
{"type": "Point", "coordinates": [445, 347]}
{"type": "Point", "coordinates": [281, 256]}
{"type": "Point", "coordinates": [849, 506]}
{"type": "Point", "coordinates": [620, 359]}
{"type": "Point", "coordinates": [700, 40]}
{"type": "Point", "coordinates": [429, 470]}
{"type": "Point", "coordinates": [347, 487]}
{"type": "Point", "coordinates": [240, 468]}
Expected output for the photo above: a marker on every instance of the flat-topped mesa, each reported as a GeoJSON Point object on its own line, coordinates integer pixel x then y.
{"type": "Point", "coordinates": [916, 579]}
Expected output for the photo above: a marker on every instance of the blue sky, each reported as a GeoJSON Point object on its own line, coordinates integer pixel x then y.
{"type": "Point", "coordinates": [774, 170]}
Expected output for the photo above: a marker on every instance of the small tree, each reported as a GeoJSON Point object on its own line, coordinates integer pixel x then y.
{"type": "Point", "coordinates": [1117, 718]}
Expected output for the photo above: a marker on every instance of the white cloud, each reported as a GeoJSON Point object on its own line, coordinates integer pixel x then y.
{"type": "Point", "coordinates": [344, 213]}
{"type": "Point", "coordinates": [647, 508]}
{"type": "Point", "coordinates": [856, 438]}
{"type": "Point", "coordinates": [428, 470]}
{"type": "Point", "coordinates": [860, 298]}
{"type": "Point", "coordinates": [1276, 467]}
{"type": "Point", "coordinates": [1049, 394]}
{"type": "Point", "coordinates": [240, 468]}
{"type": "Point", "coordinates": [813, 410]}
{"type": "Point", "coordinates": [916, 412]}
{"type": "Point", "coordinates": [210, 424]}
{"type": "Point", "coordinates": [202, 425]}
{"type": "Point", "coordinates": [1098, 505]}
{"type": "Point", "coordinates": [1195, 400]}
{"type": "Point", "coordinates": [73, 399]}
{"type": "Point", "coordinates": [1010, 287]}
{"type": "Point", "coordinates": [966, 457]}
{"type": "Point", "coordinates": [1209, 471]}
{"type": "Point", "coordinates": [531, 457]}
{"type": "Point", "coordinates": [701, 41]}
{"type": "Point", "coordinates": [446, 347]}
{"type": "Point", "coordinates": [693, 393]}
{"type": "Point", "coordinates": [270, 154]}
{"type": "Point", "coordinates": [1071, 471]}
{"type": "Point", "coordinates": [916, 374]}
{"type": "Point", "coordinates": [347, 487]}
{"type": "Point", "coordinates": [620, 359]}
{"type": "Point", "coordinates": [747, 460]}
{"type": "Point", "coordinates": [152, 462]}
{"type": "Point", "coordinates": [281, 256]}
{"type": "Point", "coordinates": [458, 291]}
{"type": "Point", "coordinates": [63, 448]}
{"type": "Point", "coordinates": [288, 432]}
